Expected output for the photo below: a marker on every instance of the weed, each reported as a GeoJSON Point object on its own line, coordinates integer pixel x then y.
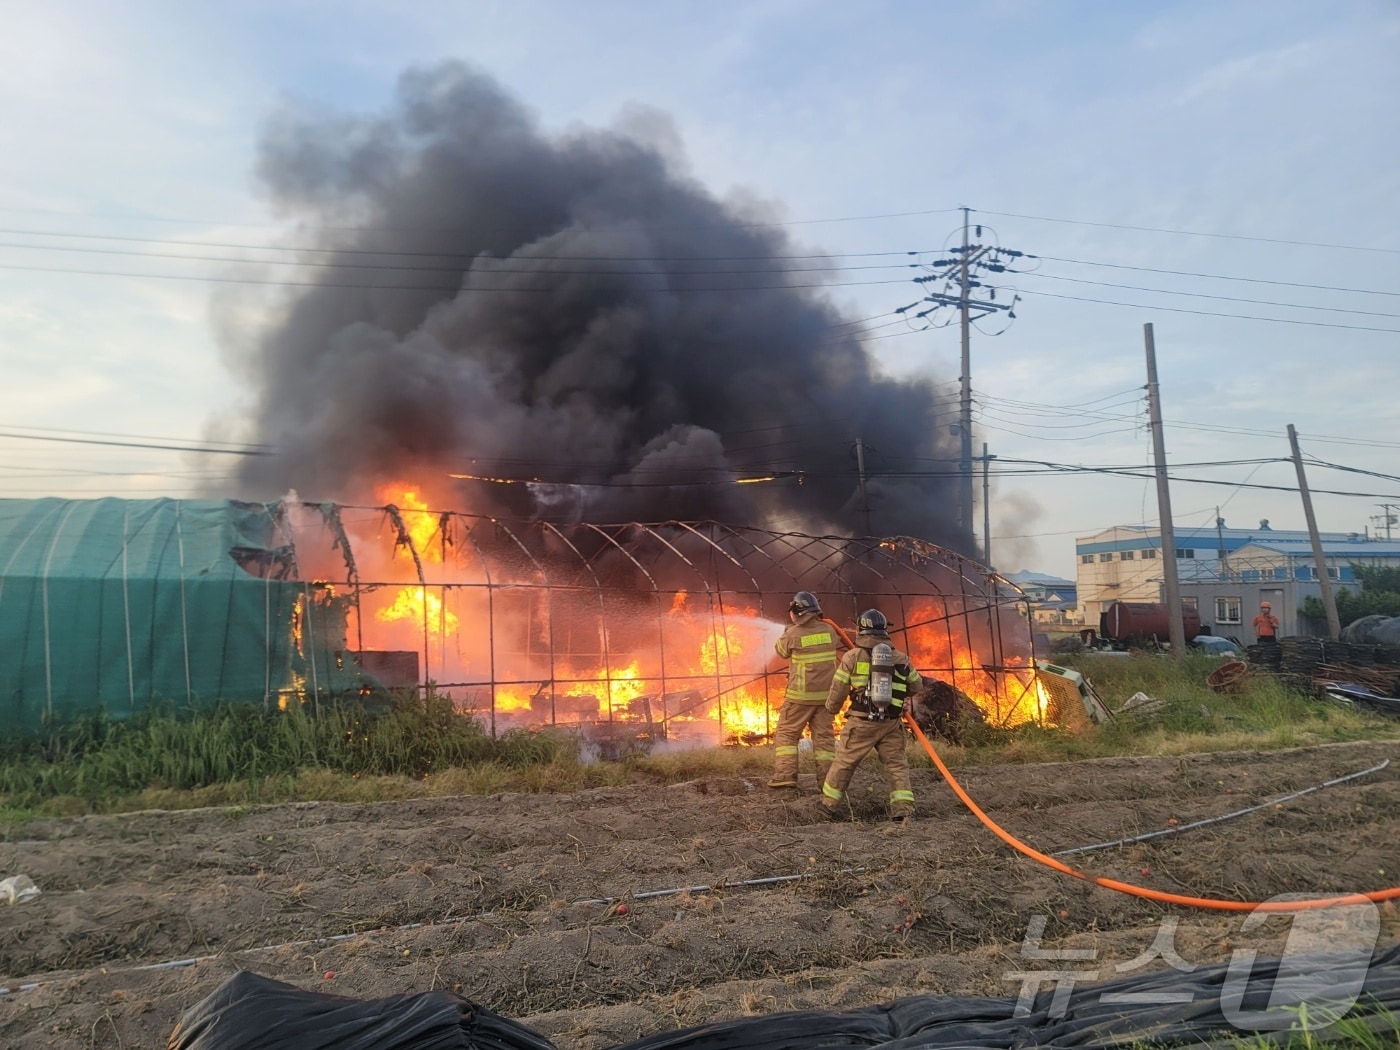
{"type": "Point", "coordinates": [244, 756]}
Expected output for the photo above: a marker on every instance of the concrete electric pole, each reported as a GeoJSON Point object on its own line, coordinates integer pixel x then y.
{"type": "Point", "coordinates": [986, 459]}
{"type": "Point", "coordinates": [864, 496]}
{"type": "Point", "coordinates": [1329, 605]}
{"type": "Point", "coordinates": [1176, 629]}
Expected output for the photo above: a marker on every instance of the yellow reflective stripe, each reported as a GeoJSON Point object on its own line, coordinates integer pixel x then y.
{"type": "Point", "coordinates": [816, 639]}
{"type": "Point", "coordinates": [825, 756]}
{"type": "Point", "coordinates": [810, 658]}
{"type": "Point", "coordinates": [831, 793]}
{"type": "Point", "coordinates": [785, 749]}
{"type": "Point", "coordinates": [842, 676]}
{"type": "Point", "coordinates": [809, 696]}
{"type": "Point", "coordinates": [901, 796]}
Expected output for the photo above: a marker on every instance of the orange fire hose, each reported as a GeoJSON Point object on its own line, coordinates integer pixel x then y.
{"type": "Point", "coordinates": [1213, 903]}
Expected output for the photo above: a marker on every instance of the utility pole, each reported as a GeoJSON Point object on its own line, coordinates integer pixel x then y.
{"type": "Point", "coordinates": [961, 274]}
{"type": "Point", "coordinates": [1334, 623]}
{"type": "Point", "coordinates": [1220, 550]}
{"type": "Point", "coordinates": [1385, 518]}
{"type": "Point", "coordinates": [864, 497]}
{"type": "Point", "coordinates": [965, 418]}
{"type": "Point", "coordinates": [986, 505]}
{"type": "Point", "coordinates": [1176, 629]}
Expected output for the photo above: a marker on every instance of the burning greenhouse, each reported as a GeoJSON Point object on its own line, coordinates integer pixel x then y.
{"type": "Point", "coordinates": [662, 631]}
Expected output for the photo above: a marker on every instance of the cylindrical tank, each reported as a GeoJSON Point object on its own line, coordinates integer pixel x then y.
{"type": "Point", "coordinates": [1121, 621]}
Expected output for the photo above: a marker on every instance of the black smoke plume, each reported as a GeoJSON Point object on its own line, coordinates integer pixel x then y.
{"type": "Point", "coordinates": [494, 301]}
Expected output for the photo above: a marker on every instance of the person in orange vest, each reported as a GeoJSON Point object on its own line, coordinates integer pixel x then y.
{"type": "Point", "coordinates": [812, 646]}
{"type": "Point", "coordinates": [1266, 625]}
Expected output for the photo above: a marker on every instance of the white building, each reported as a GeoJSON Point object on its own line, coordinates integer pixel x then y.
{"type": "Point", "coordinates": [1282, 573]}
{"type": "Point", "coordinates": [1124, 562]}
{"type": "Point", "coordinates": [1052, 598]}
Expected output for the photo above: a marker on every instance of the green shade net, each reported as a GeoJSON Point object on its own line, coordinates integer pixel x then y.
{"type": "Point", "coordinates": [118, 604]}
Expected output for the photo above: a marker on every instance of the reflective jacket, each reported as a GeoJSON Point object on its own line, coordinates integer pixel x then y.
{"type": "Point", "coordinates": [812, 645]}
{"type": "Point", "coordinates": [852, 677]}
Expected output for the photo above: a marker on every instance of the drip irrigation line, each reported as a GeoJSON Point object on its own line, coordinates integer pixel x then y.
{"type": "Point", "coordinates": [1162, 897]}
{"type": "Point", "coordinates": [1224, 816]}
{"type": "Point", "coordinates": [711, 887]}
{"type": "Point", "coordinates": [175, 964]}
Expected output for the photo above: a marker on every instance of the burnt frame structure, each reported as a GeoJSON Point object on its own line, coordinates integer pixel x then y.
{"type": "Point", "coordinates": [940, 604]}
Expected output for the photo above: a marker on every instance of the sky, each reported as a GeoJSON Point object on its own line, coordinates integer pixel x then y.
{"type": "Point", "coordinates": [1227, 172]}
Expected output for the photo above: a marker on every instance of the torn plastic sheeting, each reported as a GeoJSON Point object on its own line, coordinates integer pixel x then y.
{"type": "Point", "coordinates": [17, 889]}
{"type": "Point", "coordinates": [249, 1012]}
{"type": "Point", "coordinates": [254, 1013]}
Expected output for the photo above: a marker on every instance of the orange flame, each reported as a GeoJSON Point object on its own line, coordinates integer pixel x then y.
{"type": "Point", "coordinates": [537, 656]}
{"type": "Point", "coordinates": [419, 605]}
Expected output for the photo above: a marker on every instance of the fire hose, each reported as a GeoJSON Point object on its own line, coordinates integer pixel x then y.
{"type": "Point", "coordinates": [1145, 892]}
{"type": "Point", "coordinates": [1213, 903]}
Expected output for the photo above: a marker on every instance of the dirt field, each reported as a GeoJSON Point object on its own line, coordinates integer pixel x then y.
{"type": "Point", "coordinates": [492, 891]}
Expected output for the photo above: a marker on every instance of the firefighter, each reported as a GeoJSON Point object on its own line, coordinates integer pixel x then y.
{"type": "Point", "coordinates": [1266, 625]}
{"type": "Point", "coordinates": [812, 647]}
{"type": "Point", "coordinates": [877, 678]}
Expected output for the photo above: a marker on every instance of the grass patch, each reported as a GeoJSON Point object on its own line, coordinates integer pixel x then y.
{"type": "Point", "coordinates": [422, 748]}
{"type": "Point", "coordinates": [242, 754]}
{"type": "Point", "coordinates": [1370, 1031]}
{"type": "Point", "coordinates": [1193, 718]}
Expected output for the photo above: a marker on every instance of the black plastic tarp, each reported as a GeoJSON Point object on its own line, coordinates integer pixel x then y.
{"type": "Point", "coordinates": [248, 1012]}
{"type": "Point", "coordinates": [1167, 1007]}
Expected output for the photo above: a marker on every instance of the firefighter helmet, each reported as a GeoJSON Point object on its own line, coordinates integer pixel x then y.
{"type": "Point", "coordinates": [805, 602]}
{"type": "Point", "coordinates": [872, 621]}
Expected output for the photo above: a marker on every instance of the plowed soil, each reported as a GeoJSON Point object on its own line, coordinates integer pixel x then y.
{"type": "Point", "coordinates": [544, 907]}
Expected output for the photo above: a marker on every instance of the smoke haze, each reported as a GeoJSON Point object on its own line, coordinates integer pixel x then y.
{"type": "Point", "coordinates": [570, 308]}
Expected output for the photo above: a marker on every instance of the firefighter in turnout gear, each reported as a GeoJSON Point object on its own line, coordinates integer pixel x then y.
{"type": "Point", "coordinates": [811, 646]}
{"type": "Point", "coordinates": [877, 678]}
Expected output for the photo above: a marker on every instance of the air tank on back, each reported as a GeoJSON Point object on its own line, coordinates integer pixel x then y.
{"type": "Point", "coordinates": [1128, 621]}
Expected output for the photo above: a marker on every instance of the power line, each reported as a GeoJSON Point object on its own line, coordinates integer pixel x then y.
{"type": "Point", "coordinates": [1218, 276]}
{"type": "Point", "coordinates": [209, 449]}
{"type": "Point", "coordinates": [445, 286]}
{"type": "Point", "coordinates": [130, 437]}
{"type": "Point", "coordinates": [1135, 390]}
{"type": "Point", "coordinates": [1353, 470]}
{"type": "Point", "coordinates": [425, 229]}
{"type": "Point", "coordinates": [1212, 313]}
{"type": "Point", "coordinates": [1196, 233]}
{"type": "Point", "coordinates": [489, 264]}
{"type": "Point", "coordinates": [1207, 295]}
{"type": "Point", "coordinates": [417, 253]}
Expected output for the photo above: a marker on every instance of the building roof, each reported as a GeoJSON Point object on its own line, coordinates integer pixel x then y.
{"type": "Point", "coordinates": [1133, 537]}
{"type": "Point", "coordinates": [1331, 548]}
{"type": "Point", "coordinates": [1027, 578]}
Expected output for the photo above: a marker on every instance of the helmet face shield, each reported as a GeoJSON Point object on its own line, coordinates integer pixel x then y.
{"type": "Point", "coordinates": [804, 602]}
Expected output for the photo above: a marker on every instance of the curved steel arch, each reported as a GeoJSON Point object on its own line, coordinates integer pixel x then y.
{"type": "Point", "coordinates": [586, 572]}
